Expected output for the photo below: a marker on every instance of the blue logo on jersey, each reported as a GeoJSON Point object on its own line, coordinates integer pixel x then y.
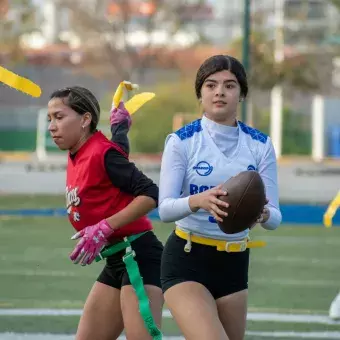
{"type": "Point", "coordinates": [195, 189]}
{"type": "Point", "coordinates": [251, 167]}
{"type": "Point", "coordinates": [203, 168]}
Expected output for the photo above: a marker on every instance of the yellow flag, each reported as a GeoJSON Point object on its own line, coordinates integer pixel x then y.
{"type": "Point", "coordinates": [117, 97]}
{"type": "Point", "coordinates": [137, 101]}
{"type": "Point", "coordinates": [19, 83]}
{"type": "Point", "coordinates": [331, 211]}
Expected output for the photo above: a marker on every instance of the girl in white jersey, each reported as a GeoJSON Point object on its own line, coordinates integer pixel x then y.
{"type": "Point", "coordinates": [205, 288]}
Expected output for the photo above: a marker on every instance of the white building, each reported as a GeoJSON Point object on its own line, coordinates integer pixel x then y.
{"type": "Point", "coordinates": [306, 22]}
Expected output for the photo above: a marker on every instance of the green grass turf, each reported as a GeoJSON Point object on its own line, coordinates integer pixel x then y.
{"type": "Point", "coordinates": [31, 201]}
{"type": "Point", "coordinates": [298, 270]}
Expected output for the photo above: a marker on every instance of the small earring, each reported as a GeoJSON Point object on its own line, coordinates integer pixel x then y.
{"type": "Point", "coordinates": [83, 126]}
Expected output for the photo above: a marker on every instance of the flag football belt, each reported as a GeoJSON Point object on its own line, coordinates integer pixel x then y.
{"type": "Point", "coordinates": [221, 245]}
{"type": "Point", "coordinates": [135, 279]}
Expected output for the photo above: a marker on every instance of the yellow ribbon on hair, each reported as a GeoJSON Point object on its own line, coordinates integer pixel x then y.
{"type": "Point", "coordinates": [136, 102]}
{"type": "Point", "coordinates": [19, 83]}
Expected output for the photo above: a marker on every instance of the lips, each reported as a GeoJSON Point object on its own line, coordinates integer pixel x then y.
{"type": "Point", "coordinates": [56, 138]}
{"type": "Point", "coordinates": [220, 102]}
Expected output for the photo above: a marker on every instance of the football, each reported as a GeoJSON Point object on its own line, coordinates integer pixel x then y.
{"type": "Point", "coordinates": [246, 197]}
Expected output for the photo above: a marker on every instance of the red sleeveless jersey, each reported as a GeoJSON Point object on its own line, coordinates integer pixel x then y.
{"type": "Point", "coordinates": [90, 195]}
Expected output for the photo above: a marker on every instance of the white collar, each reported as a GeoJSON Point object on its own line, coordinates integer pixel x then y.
{"type": "Point", "coordinates": [219, 128]}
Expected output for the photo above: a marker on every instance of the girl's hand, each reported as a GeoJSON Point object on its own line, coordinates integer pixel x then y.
{"type": "Point", "coordinates": [93, 239]}
{"type": "Point", "coordinates": [208, 200]}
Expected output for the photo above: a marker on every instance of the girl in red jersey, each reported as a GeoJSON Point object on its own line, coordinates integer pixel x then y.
{"type": "Point", "coordinates": [107, 200]}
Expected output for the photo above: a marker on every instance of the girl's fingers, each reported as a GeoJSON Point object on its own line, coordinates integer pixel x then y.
{"type": "Point", "coordinates": [220, 192]}
{"type": "Point", "coordinates": [219, 212]}
{"type": "Point", "coordinates": [216, 216]}
{"type": "Point", "coordinates": [221, 203]}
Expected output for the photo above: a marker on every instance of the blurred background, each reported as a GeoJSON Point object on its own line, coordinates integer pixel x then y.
{"type": "Point", "coordinates": [291, 50]}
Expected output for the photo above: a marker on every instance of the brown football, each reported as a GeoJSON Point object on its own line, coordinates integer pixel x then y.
{"type": "Point", "coordinates": [246, 197]}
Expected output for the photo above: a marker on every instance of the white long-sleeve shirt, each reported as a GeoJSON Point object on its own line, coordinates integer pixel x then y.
{"type": "Point", "coordinates": [204, 154]}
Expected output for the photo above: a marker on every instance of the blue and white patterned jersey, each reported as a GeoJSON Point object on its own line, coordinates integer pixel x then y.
{"type": "Point", "coordinates": [202, 155]}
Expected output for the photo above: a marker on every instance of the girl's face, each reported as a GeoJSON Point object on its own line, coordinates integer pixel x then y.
{"type": "Point", "coordinates": [220, 95]}
{"type": "Point", "coordinates": [66, 126]}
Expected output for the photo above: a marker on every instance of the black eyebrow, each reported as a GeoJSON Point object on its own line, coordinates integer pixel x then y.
{"type": "Point", "coordinates": [55, 113]}
{"type": "Point", "coordinates": [226, 81]}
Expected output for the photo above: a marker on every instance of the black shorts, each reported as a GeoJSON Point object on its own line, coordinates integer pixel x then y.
{"type": "Point", "coordinates": [148, 251]}
{"type": "Point", "coordinates": [220, 272]}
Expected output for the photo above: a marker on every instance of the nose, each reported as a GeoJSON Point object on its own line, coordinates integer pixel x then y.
{"type": "Point", "coordinates": [219, 91]}
{"type": "Point", "coordinates": [52, 126]}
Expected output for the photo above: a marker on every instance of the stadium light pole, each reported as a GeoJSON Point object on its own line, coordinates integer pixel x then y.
{"type": "Point", "coordinates": [246, 50]}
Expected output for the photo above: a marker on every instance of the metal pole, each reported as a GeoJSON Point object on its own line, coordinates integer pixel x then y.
{"type": "Point", "coordinates": [318, 128]}
{"type": "Point", "coordinates": [276, 120]}
{"type": "Point", "coordinates": [246, 51]}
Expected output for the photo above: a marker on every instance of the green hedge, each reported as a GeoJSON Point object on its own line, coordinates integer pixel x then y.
{"type": "Point", "coordinates": [14, 140]}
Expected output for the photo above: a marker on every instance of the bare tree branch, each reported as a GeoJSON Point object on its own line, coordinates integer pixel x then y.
{"type": "Point", "coordinates": [106, 37]}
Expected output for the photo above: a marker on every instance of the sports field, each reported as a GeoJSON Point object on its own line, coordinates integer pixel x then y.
{"type": "Point", "coordinates": [292, 280]}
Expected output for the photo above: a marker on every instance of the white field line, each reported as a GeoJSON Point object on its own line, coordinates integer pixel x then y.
{"type": "Point", "coordinates": [296, 282]}
{"type": "Point", "coordinates": [295, 335]}
{"type": "Point", "coordinates": [252, 316]}
{"type": "Point", "coordinates": [305, 241]}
